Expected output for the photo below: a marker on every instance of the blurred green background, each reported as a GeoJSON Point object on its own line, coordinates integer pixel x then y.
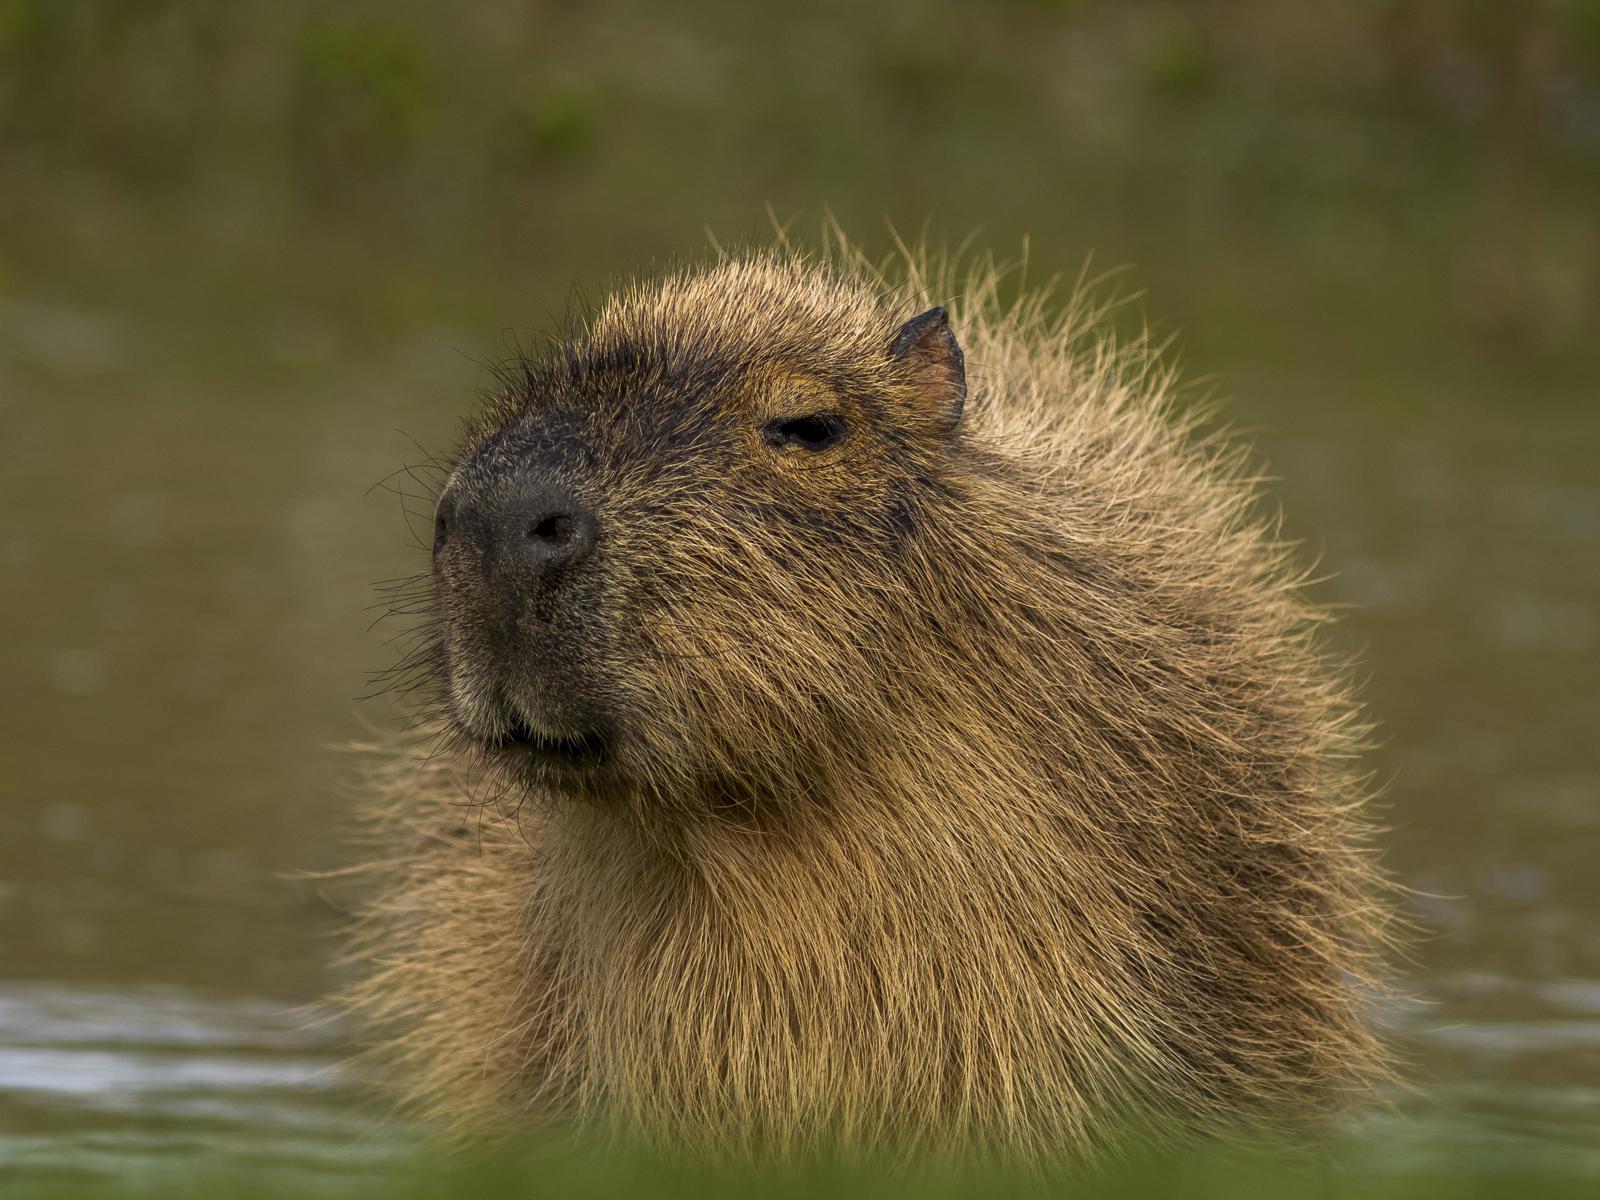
{"type": "Point", "coordinates": [251, 253]}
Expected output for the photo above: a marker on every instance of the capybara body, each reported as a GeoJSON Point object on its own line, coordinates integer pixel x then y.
{"type": "Point", "coordinates": [839, 743]}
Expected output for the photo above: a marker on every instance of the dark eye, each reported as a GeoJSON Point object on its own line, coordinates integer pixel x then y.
{"type": "Point", "coordinates": [815, 431]}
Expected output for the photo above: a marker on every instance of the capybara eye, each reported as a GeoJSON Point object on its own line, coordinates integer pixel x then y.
{"type": "Point", "coordinates": [815, 431]}
{"type": "Point", "coordinates": [441, 530]}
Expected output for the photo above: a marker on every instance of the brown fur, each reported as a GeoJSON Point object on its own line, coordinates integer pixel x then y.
{"type": "Point", "coordinates": [1001, 803]}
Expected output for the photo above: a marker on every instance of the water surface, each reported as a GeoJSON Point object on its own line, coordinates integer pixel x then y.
{"type": "Point", "coordinates": [189, 627]}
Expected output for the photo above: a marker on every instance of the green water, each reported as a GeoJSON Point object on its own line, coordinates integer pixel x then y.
{"type": "Point", "coordinates": [248, 262]}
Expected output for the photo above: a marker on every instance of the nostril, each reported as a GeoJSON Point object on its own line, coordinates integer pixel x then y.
{"type": "Point", "coordinates": [444, 521]}
{"type": "Point", "coordinates": [553, 530]}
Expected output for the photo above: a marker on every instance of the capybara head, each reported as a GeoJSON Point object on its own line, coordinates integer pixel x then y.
{"type": "Point", "coordinates": [672, 555]}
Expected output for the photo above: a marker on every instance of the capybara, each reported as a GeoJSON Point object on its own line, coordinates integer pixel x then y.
{"type": "Point", "coordinates": [856, 726]}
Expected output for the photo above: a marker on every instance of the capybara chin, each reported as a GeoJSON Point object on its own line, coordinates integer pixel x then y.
{"type": "Point", "coordinates": [844, 744]}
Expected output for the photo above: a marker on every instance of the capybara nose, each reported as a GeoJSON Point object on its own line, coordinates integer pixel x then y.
{"type": "Point", "coordinates": [548, 528]}
{"type": "Point", "coordinates": [541, 526]}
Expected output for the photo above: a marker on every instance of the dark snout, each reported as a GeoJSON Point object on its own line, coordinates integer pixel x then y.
{"type": "Point", "coordinates": [522, 606]}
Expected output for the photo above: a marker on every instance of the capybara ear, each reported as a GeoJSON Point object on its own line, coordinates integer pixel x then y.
{"type": "Point", "coordinates": [926, 345]}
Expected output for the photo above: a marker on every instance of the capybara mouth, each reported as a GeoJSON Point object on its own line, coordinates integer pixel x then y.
{"type": "Point", "coordinates": [522, 740]}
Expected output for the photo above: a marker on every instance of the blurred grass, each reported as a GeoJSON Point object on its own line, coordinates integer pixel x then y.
{"type": "Point", "coordinates": [1201, 1176]}
{"type": "Point", "coordinates": [1432, 163]}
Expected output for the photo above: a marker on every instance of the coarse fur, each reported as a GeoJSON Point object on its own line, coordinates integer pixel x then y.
{"type": "Point", "coordinates": [985, 787]}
